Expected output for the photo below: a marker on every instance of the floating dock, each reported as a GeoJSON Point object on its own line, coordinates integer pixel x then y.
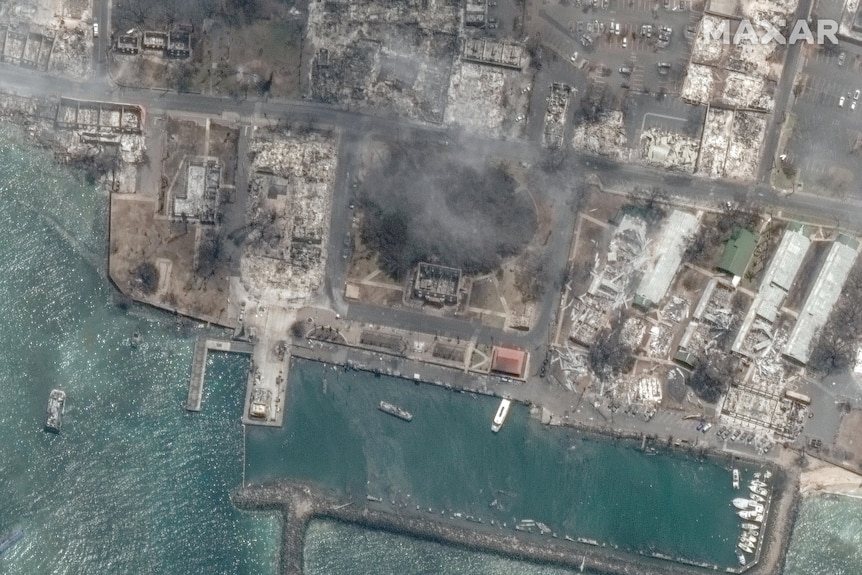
{"type": "Point", "coordinates": [199, 365]}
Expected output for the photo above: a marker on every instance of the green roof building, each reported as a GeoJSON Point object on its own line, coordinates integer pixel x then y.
{"type": "Point", "coordinates": [738, 253]}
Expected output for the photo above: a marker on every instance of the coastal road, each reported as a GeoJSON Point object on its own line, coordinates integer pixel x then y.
{"type": "Point", "coordinates": [353, 126]}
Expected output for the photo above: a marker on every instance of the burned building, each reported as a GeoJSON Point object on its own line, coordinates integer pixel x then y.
{"type": "Point", "coordinates": [198, 200]}
{"type": "Point", "coordinates": [155, 40]}
{"type": "Point", "coordinates": [437, 284]}
{"type": "Point", "coordinates": [179, 44]}
{"type": "Point", "coordinates": [128, 43]}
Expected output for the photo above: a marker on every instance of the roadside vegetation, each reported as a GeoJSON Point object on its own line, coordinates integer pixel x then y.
{"type": "Point", "coordinates": [703, 246]}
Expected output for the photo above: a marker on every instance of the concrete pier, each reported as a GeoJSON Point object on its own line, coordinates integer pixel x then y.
{"type": "Point", "coordinates": [300, 502]}
{"type": "Point", "coordinates": [199, 365]}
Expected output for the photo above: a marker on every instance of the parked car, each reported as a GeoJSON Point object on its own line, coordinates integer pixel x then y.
{"type": "Point", "coordinates": [625, 42]}
{"type": "Point", "coordinates": [625, 70]}
{"type": "Point", "coordinates": [856, 95]}
{"type": "Point", "coordinates": [841, 102]}
{"type": "Point", "coordinates": [95, 29]}
{"type": "Point", "coordinates": [841, 57]}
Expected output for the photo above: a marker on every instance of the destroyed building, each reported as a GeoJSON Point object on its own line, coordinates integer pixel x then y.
{"type": "Point", "coordinates": [288, 213]}
{"type": "Point", "coordinates": [609, 288]}
{"type": "Point", "coordinates": [395, 57]}
{"type": "Point", "coordinates": [437, 284]}
{"type": "Point", "coordinates": [198, 200]}
{"type": "Point", "coordinates": [555, 116]}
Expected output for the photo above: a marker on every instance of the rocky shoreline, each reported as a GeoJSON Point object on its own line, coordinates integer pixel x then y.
{"type": "Point", "coordinates": [299, 503]}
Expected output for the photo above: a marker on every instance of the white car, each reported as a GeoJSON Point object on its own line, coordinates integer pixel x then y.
{"type": "Point", "coordinates": [856, 95]}
{"type": "Point", "coordinates": [841, 102]}
{"type": "Point", "coordinates": [574, 57]}
{"type": "Point", "coordinates": [617, 28]}
{"type": "Point", "coordinates": [625, 42]}
{"type": "Point", "coordinates": [853, 105]}
{"type": "Point", "coordinates": [95, 29]}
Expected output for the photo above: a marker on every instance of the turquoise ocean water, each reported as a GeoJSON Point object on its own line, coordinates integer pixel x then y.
{"type": "Point", "coordinates": [134, 484]}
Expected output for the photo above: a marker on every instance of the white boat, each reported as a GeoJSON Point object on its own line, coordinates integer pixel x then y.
{"type": "Point", "coordinates": [750, 526]}
{"type": "Point", "coordinates": [500, 417]}
{"type": "Point", "coordinates": [759, 491]}
{"type": "Point", "coordinates": [736, 478]}
{"type": "Point", "coordinates": [741, 558]}
{"type": "Point", "coordinates": [757, 498]}
{"type": "Point", "coordinates": [750, 514]}
{"type": "Point", "coordinates": [767, 474]}
{"type": "Point", "coordinates": [757, 483]}
{"type": "Point", "coordinates": [742, 503]}
{"type": "Point", "coordinates": [757, 475]}
{"type": "Point", "coordinates": [746, 538]}
{"type": "Point", "coordinates": [745, 547]}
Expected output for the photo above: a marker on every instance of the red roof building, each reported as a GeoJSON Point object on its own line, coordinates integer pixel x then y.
{"type": "Point", "coordinates": [509, 361]}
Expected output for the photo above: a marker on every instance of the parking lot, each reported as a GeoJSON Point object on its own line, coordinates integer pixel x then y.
{"type": "Point", "coordinates": [610, 35]}
{"type": "Point", "coordinates": [827, 122]}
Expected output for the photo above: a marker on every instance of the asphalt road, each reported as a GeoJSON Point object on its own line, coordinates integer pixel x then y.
{"type": "Point", "coordinates": [354, 126]}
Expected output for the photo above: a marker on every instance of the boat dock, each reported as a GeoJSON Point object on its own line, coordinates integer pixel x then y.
{"type": "Point", "coordinates": [199, 365]}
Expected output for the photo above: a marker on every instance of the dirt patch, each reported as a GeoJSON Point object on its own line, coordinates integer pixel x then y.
{"type": "Point", "coordinates": [484, 295]}
{"type": "Point", "coordinates": [223, 145]}
{"type": "Point", "coordinates": [139, 237]}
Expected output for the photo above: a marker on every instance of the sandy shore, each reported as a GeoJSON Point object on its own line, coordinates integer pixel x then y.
{"type": "Point", "coordinates": [825, 477]}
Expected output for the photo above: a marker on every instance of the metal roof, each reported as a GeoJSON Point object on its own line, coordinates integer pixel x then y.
{"type": "Point", "coordinates": [674, 233]}
{"type": "Point", "coordinates": [781, 272]}
{"type": "Point", "coordinates": [738, 252]}
{"type": "Point", "coordinates": [821, 299]}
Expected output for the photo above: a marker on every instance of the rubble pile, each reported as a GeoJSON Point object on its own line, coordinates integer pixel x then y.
{"type": "Point", "coordinates": [761, 401]}
{"type": "Point", "coordinates": [607, 137]}
{"type": "Point", "coordinates": [708, 43]}
{"type": "Point", "coordinates": [49, 35]}
{"type": "Point", "coordinates": [747, 91]}
{"type": "Point", "coordinates": [395, 57]}
{"type": "Point", "coordinates": [287, 213]}
{"type": "Point", "coordinates": [633, 332]}
{"type": "Point", "coordinates": [747, 135]}
{"type": "Point", "coordinates": [659, 341]}
{"type": "Point", "coordinates": [716, 139]}
{"type": "Point", "coordinates": [662, 333]}
{"type": "Point", "coordinates": [611, 285]}
{"type": "Point", "coordinates": [487, 99]}
{"type": "Point", "coordinates": [555, 116]}
{"type": "Point", "coordinates": [698, 84]}
{"type": "Point", "coordinates": [713, 317]}
{"type": "Point", "coordinates": [669, 150]}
